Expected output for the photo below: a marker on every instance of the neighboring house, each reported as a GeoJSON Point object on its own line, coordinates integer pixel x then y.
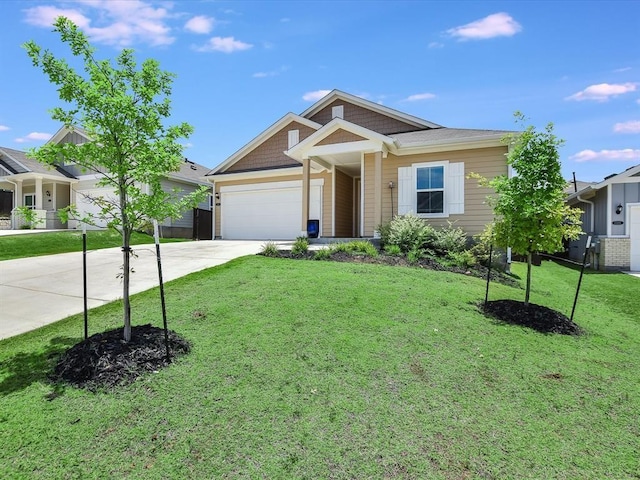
{"type": "Point", "coordinates": [48, 189]}
{"type": "Point", "coordinates": [351, 164]}
{"type": "Point", "coordinates": [611, 215]}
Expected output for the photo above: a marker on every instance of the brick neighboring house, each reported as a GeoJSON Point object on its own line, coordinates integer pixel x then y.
{"type": "Point", "coordinates": [611, 215]}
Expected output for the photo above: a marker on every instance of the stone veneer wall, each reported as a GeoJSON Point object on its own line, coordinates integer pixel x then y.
{"type": "Point", "coordinates": [615, 254]}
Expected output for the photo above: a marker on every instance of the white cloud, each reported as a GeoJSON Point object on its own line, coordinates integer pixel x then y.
{"type": "Point", "coordinates": [34, 136]}
{"type": "Point", "coordinates": [315, 96]}
{"type": "Point", "coordinates": [45, 15]}
{"type": "Point", "coordinates": [223, 44]}
{"type": "Point", "coordinates": [4, 128]}
{"type": "Point", "coordinates": [496, 25]}
{"type": "Point", "coordinates": [436, 45]}
{"type": "Point", "coordinates": [419, 96]}
{"type": "Point", "coordinates": [632, 126]}
{"type": "Point", "coordinates": [117, 23]}
{"type": "Point", "coordinates": [200, 24]}
{"type": "Point", "coordinates": [623, 69]}
{"type": "Point", "coordinates": [603, 91]}
{"type": "Point", "coordinates": [272, 73]}
{"type": "Point", "coordinates": [627, 155]}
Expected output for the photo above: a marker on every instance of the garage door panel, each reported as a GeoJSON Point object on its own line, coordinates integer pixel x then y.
{"type": "Point", "coordinates": [265, 214]}
{"type": "Point", "coordinates": [634, 237]}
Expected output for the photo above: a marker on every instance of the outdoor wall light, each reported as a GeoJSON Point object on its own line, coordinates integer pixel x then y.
{"type": "Point", "coordinates": [619, 209]}
{"type": "Point", "coordinates": [47, 193]}
{"type": "Point", "coordinates": [217, 195]}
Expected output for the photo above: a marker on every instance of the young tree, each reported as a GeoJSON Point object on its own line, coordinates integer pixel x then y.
{"type": "Point", "coordinates": [122, 109]}
{"type": "Point", "coordinates": [531, 214]}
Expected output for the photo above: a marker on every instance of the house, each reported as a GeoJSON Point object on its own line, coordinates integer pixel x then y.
{"type": "Point", "coordinates": [45, 189]}
{"type": "Point", "coordinates": [348, 165]}
{"type": "Point", "coordinates": [611, 215]}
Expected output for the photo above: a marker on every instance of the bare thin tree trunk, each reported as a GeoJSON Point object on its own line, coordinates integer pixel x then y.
{"type": "Point", "coordinates": [528, 290]}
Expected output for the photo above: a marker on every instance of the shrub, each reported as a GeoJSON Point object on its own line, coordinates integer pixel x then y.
{"type": "Point", "coordinates": [408, 232]}
{"type": "Point", "coordinates": [393, 250]}
{"type": "Point", "coordinates": [270, 249]}
{"type": "Point", "coordinates": [29, 217]}
{"type": "Point", "coordinates": [464, 259]}
{"type": "Point", "coordinates": [414, 255]}
{"type": "Point", "coordinates": [448, 240]}
{"type": "Point", "coordinates": [323, 254]}
{"type": "Point", "coordinates": [362, 247]}
{"type": "Point", "coordinates": [300, 246]}
{"type": "Point", "coordinates": [481, 247]}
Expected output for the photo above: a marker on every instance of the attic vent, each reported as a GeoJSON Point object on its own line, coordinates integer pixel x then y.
{"type": "Point", "coordinates": [337, 112]}
{"type": "Point", "coordinates": [294, 137]}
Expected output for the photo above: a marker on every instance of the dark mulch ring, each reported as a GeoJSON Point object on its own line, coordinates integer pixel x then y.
{"type": "Point", "coordinates": [105, 360]}
{"type": "Point", "coordinates": [427, 262]}
{"type": "Point", "coordinates": [534, 316]}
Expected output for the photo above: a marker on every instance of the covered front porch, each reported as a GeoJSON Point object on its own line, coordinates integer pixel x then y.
{"type": "Point", "coordinates": [354, 157]}
{"type": "Point", "coordinates": [42, 194]}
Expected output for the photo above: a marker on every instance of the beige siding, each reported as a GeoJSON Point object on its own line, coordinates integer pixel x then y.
{"type": "Point", "coordinates": [326, 196]}
{"type": "Point", "coordinates": [270, 153]}
{"type": "Point", "coordinates": [344, 205]}
{"type": "Point", "coordinates": [340, 136]}
{"type": "Point", "coordinates": [488, 162]}
{"type": "Point", "coordinates": [364, 117]}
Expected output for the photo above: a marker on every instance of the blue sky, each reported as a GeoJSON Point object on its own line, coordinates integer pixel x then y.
{"type": "Point", "coordinates": [242, 65]}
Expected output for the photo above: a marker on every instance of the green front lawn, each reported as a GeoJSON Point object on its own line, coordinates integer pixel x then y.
{"type": "Point", "coordinates": [314, 370]}
{"type": "Point", "coordinates": [27, 245]}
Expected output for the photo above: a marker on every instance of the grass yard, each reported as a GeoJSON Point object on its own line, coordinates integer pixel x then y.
{"type": "Point", "coordinates": [334, 370]}
{"type": "Point", "coordinates": [26, 245]}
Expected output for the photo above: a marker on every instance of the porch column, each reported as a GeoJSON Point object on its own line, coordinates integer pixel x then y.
{"type": "Point", "coordinates": [38, 193]}
{"type": "Point", "coordinates": [19, 200]}
{"type": "Point", "coordinates": [377, 196]}
{"type": "Point", "coordinates": [306, 171]}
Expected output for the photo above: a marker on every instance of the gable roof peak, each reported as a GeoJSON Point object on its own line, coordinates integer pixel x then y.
{"type": "Point", "coordinates": [336, 94]}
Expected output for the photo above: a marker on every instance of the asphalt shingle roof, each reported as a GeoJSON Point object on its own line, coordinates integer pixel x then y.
{"type": "Point", "coordinates": [443, 134]}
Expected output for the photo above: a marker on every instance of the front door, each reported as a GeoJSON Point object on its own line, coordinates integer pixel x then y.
{"type": "Point", "coordinates": [634, 237]}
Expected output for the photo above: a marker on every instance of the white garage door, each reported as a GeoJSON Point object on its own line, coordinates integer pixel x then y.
{"type": "Point", "coordinates": [266, 211]}
{"type": "Point", "coordinates": [634, 235]}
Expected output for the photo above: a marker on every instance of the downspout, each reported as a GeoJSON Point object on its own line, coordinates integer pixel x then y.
{"type": "Point", "coordinates": [591, 212]}
{"type": "Point", "coordinates": [15, 201]}
{"type": "Point", "coordinates": [596, 256]}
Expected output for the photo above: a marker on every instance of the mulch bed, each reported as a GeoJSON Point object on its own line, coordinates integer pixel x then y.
{"type": "Point", "coordinates": [105, 360]}
{"type": "Point", "coordinates": [534, 316]}
{"type": "Point", "coordinates": [426, 263]}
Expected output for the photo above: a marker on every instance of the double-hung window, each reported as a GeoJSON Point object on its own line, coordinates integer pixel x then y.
{"type": "Point", "coordinates": [430, 190]}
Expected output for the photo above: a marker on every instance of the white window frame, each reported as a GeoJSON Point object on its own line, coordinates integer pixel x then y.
{"type": "Point", "coordinates": [24, 200]}
{"type": "Point", "coordinates": [445, 173]}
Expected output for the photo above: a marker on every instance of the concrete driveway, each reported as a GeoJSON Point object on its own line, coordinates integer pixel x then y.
{"type": "Point", "coordinates": [40, 290]}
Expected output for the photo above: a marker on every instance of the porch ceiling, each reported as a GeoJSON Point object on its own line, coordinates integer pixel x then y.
{"type": "Point", "coordinates": [348, 162]}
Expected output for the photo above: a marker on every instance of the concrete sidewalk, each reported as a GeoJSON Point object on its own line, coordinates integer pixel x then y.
{"type": "Point", "coordinates": [40, 290]}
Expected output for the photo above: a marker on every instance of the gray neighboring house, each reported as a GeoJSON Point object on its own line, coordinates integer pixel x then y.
{"type": "Point", "coordinates": [26, 182]}
{"type": "Point", "coordinates": [611, 215]}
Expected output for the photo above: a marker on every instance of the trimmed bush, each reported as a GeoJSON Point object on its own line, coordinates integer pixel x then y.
{"type": "Point", "coordinates": [408, 232]}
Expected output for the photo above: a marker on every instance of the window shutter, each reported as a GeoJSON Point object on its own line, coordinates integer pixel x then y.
{"type": "Point", "coordinates": [406, 191]}
{"type": "Point", "coordinates": [455, 188]}
{"type": "Point", "coordinates": [294, 137]}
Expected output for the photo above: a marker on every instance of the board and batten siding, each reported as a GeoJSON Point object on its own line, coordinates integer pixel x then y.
{"type": "Point", "coordinates": [186, 220]}
{"type": "Point", "coordinates": [326, 195]}
{"type": "Point", "coordinates": [488, 162]}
